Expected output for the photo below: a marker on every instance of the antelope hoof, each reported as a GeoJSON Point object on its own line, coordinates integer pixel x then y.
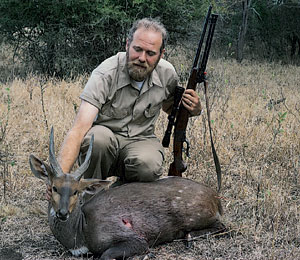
{"type": "Point", "coordinates": [189, 241]}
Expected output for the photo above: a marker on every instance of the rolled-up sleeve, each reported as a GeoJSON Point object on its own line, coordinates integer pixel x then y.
{"type": "Point", "coordinates": [97, 89]}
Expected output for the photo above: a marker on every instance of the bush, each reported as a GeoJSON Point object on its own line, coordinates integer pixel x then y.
{"type": "Point", "coordinates": [68, 37]}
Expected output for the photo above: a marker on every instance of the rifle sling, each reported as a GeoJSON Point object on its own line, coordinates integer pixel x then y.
{"type": "Point", "coordinates": [215, 156]}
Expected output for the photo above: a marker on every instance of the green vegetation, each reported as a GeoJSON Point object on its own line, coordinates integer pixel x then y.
{"type": "Point", "coordinates": [66, 38]}
{"type": "Point", "coordinates": [70, 37]}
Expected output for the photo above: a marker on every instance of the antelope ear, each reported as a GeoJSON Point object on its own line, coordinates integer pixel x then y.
{"type": "Point", "coordinates": [92, 186]}
{"type": "Point", "coordinates": [39, 168]}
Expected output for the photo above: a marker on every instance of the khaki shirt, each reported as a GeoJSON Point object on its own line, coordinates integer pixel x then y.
{"type": "Point", "coordinates": [123, 107]}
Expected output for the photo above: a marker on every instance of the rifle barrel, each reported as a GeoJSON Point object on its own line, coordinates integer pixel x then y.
{"type": "Point", "coordinates": [195, 64]}
{"type": "Point", "coordinates": [210, 35]}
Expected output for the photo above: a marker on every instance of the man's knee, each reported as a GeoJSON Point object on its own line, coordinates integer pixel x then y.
{"type": "Point", "coordinates": [144, 168]}
{"type": "Point", "coordinates": [104, 139]}
{"type": "Point", "coordinates": [104, 151]}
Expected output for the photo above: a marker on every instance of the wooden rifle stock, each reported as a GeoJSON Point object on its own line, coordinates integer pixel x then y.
{"type": "Point", "coordinates": [178, 166]}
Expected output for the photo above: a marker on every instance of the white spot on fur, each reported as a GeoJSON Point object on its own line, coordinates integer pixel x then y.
{"type": "Point", "coordinates": [52, 212]}
{"type": "Point", "coordinates": [79, 251]}
{"type": "Point", "coordinates": [180, 191]}
{"type": "Point", "coordinates": [167, 177]}
{"type": "Point", "coordinates": [178, 198]}
{"type": "Point", "coordinates": [191, 219]}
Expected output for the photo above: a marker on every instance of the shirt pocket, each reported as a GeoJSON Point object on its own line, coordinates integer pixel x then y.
{"type": "Point", "coordinates": [115, 112]}
{"type": "Point", "coordinates": [152, 111]}
{"type": "Point", "coordinates": [117, 108]}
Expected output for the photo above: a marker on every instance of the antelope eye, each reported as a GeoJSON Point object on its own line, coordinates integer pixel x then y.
{"type": "Point", "coordinates": [54, 189]}
{"type": "Point", "coordinates": [75, 192]}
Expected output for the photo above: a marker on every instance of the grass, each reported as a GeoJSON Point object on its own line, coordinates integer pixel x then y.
{"type": "Point", "coordinates": [257, 141]}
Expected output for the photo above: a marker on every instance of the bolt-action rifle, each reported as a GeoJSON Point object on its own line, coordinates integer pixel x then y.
{"type": "Point", "coordinates": [179, 115]}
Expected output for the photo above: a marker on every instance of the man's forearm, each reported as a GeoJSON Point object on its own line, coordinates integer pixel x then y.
{"type": "Point", "coordinates": [70, 150]}
{"type": "Point", "coordinates": [71, 145]}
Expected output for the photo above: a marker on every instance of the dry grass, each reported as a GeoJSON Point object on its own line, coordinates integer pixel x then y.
{"type": "Point", "coordinates": [257, 143]}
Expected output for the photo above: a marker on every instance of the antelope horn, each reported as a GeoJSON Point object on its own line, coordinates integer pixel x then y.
{"type": "Point", "coordinates": [52, 159]}
{"type": "Point", "coordinates": [83, 167]}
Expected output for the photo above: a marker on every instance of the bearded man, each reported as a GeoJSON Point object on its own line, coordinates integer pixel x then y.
{"type": "Point", "coordinates": [120, 105]}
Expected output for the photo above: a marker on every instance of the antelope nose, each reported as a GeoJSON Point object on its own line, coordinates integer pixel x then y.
{"type": "Point", "coordinates": [63, 214]}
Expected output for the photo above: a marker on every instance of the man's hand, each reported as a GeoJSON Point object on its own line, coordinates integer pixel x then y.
{"type": "Point", "coordinates": [191, 102]}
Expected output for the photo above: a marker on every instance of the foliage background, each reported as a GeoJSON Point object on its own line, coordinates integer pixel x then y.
{"type": "Point", "coordinates": [67, 38]}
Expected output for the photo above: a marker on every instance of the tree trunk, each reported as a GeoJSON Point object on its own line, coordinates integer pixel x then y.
{"type": "Point", "coordinates": [243, 30]}
{"type": "Point", "coordinates": [295, 40]}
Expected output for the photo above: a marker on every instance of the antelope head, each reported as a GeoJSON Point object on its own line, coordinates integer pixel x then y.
{"type": "Point", "coordinates": [65, 187]}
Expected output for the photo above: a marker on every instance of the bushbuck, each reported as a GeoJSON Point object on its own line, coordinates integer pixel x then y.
{"type": "Point", "coordinates": [118, 222]}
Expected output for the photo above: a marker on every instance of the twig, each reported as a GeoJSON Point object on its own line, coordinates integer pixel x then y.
{"type": "Point", "coordinates": [288, 109]}
{"type": "Point", "coordinates": [42, 88]}
{"type": "Point", "coordinates": [3, 127]}
{"type": "Point", "coordinates": [5, 172]}
{"type": "Point", "coordinates": [213, 234]}
{"type": "Point", "coordinates": [257, 198]}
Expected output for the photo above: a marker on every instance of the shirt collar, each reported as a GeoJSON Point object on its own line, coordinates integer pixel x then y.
{"type": "Point", "coordinates": [152, 80]}
{"type": "Point", "coordinates": [123, 76]}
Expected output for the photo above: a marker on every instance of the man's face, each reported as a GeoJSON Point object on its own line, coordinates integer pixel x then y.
{"type": "Point", "coordinates": [143, 53]}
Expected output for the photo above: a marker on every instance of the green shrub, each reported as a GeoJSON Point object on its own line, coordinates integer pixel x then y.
{"type": "Point", "coordinates": [68, 37]}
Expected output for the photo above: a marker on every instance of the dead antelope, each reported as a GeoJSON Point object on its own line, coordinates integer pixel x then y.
{"type": "Point", "coordinates": [125, 220]}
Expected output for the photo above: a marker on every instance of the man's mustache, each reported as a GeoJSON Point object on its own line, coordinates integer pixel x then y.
{"type": "Point", "coordinates": [140, 65]}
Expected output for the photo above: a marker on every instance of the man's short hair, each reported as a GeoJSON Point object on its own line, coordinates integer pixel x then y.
{"type": "Point", "coordinates": [148, 23]}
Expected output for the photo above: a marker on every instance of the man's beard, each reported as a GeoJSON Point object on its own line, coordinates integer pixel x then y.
{"type": "Point", "coordinates": [139, 71]}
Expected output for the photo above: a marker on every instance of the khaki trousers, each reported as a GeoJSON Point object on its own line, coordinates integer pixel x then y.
{"type": "Point", "coordinates": [131, 159]}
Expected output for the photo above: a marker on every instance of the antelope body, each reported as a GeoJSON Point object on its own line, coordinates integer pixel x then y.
{"type": "Point", "coordinates": [125, 220]}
